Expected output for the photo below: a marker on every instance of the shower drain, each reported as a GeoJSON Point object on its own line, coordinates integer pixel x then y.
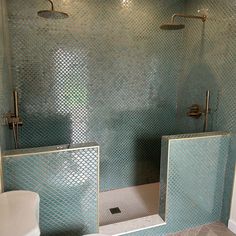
{"type": "Point", "coordinates": [115, 210]}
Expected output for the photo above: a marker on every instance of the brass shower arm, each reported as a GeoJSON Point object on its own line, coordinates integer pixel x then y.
{"type": "Point", "coordinates": [52, 14]}
{"type": "Point", "coordinates": [203, 18]}
{"type": "Point", "coordinates": [52, 6]}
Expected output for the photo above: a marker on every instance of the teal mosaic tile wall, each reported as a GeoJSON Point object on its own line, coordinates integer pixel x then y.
{"type": "Point", "coordinates": [131, 64]}
{"type": "Point", "coordinates": [196, 168]}
{"type": "Point", "coordinates": [67, 183]}
{"type": "Point", "coordinates": [5, 80]}
{"type": "Point", "coordinates": [209, 63]}
{"type": "Point", "coordinates": [106, 74]}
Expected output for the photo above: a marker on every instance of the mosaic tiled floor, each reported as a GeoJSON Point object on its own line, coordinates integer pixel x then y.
{"type": "Point", "coordinates": [214, 229]}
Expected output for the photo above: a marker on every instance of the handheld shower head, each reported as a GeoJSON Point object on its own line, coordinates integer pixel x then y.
{"type": "Point", "coordinates": [52, 14]}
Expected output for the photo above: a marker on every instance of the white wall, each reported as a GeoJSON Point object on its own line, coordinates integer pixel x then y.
{"type": "Point", "coordinates": [232, 220]}
{"type": "Point", "coordinates": [1, 179]}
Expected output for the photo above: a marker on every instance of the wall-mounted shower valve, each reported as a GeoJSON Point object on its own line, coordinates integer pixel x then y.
{"type": "Point", "coordinates": [12, 120]}
{"type": "Point", "coordinates": [195, 111]}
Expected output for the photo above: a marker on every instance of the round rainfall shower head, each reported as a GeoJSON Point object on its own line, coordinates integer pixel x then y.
{"type": "Point", "coordinates": [172, 26]}
{"type": "Point", "coordinates": [51, 14]}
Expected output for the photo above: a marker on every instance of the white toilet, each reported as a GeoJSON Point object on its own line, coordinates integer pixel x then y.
{"type": "Point", "coordinates": [19, 213]}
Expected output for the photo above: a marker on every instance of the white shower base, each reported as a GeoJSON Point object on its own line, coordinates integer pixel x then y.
{"type": "Point", "coordinates": [138, 207]}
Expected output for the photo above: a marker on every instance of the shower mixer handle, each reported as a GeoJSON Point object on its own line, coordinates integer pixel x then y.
{"type": "Point", "coordinates": [195, 111]}
{"type": "Point", "coordinates": [14, 123]}
{"type": "Point", "coordinates": [13, 120]}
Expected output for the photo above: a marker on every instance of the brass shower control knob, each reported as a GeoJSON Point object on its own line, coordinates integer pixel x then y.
{"type": "Point", "coordinates": [195, 111]}
{"type": "Point", "coordinates": [12, 120]}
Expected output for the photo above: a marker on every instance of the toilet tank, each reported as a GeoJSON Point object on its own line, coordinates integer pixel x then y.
{"type": "Point", "coordinates": [19, 213]}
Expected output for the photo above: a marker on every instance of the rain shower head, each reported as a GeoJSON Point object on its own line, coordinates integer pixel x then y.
{"type": "Point", "coordinates": [174, 26]}
{"type": "Point", "coordinates": [52, 14]}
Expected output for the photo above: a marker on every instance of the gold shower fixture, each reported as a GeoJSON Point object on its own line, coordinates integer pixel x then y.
{"type": "Point", "coordinates": [176, 26]}
{"type": "Point", "coordinates": [52, 14]}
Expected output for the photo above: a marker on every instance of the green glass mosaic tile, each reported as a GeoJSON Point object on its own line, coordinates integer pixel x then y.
{"type": "Point", "coordinates": [107, 51]}
{"type": "Point", "coordinates": [5, 80]}
{"type": "Point", "coordinates": [67, 183]}
{"type": "Point", "coordinates": [209, 63]}
{"type": "Point", "coordinates": [195, 180]}
{"type": "Point", "coordinates": [106, 74]}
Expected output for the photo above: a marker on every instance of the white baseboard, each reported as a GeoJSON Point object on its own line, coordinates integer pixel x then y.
{"type": "Point", "coordinates": [232, 226]}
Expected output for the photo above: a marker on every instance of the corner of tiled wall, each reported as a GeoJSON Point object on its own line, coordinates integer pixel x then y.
{"type": "Point", "coordinates": [5, 79]}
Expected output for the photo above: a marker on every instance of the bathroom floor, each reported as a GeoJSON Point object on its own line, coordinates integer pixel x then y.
{"type": "Point", "coordinates": [128, 203]}
{"type": "Point", "coordinates": [214, 229]}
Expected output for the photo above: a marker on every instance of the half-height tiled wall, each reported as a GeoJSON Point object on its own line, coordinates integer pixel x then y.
{"type": "Point", "coordinates": [106, 74]}
{"type": "Point", "coordinates": [66, 181]}
{"type": "Point", "coordinates": [195, 180]}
